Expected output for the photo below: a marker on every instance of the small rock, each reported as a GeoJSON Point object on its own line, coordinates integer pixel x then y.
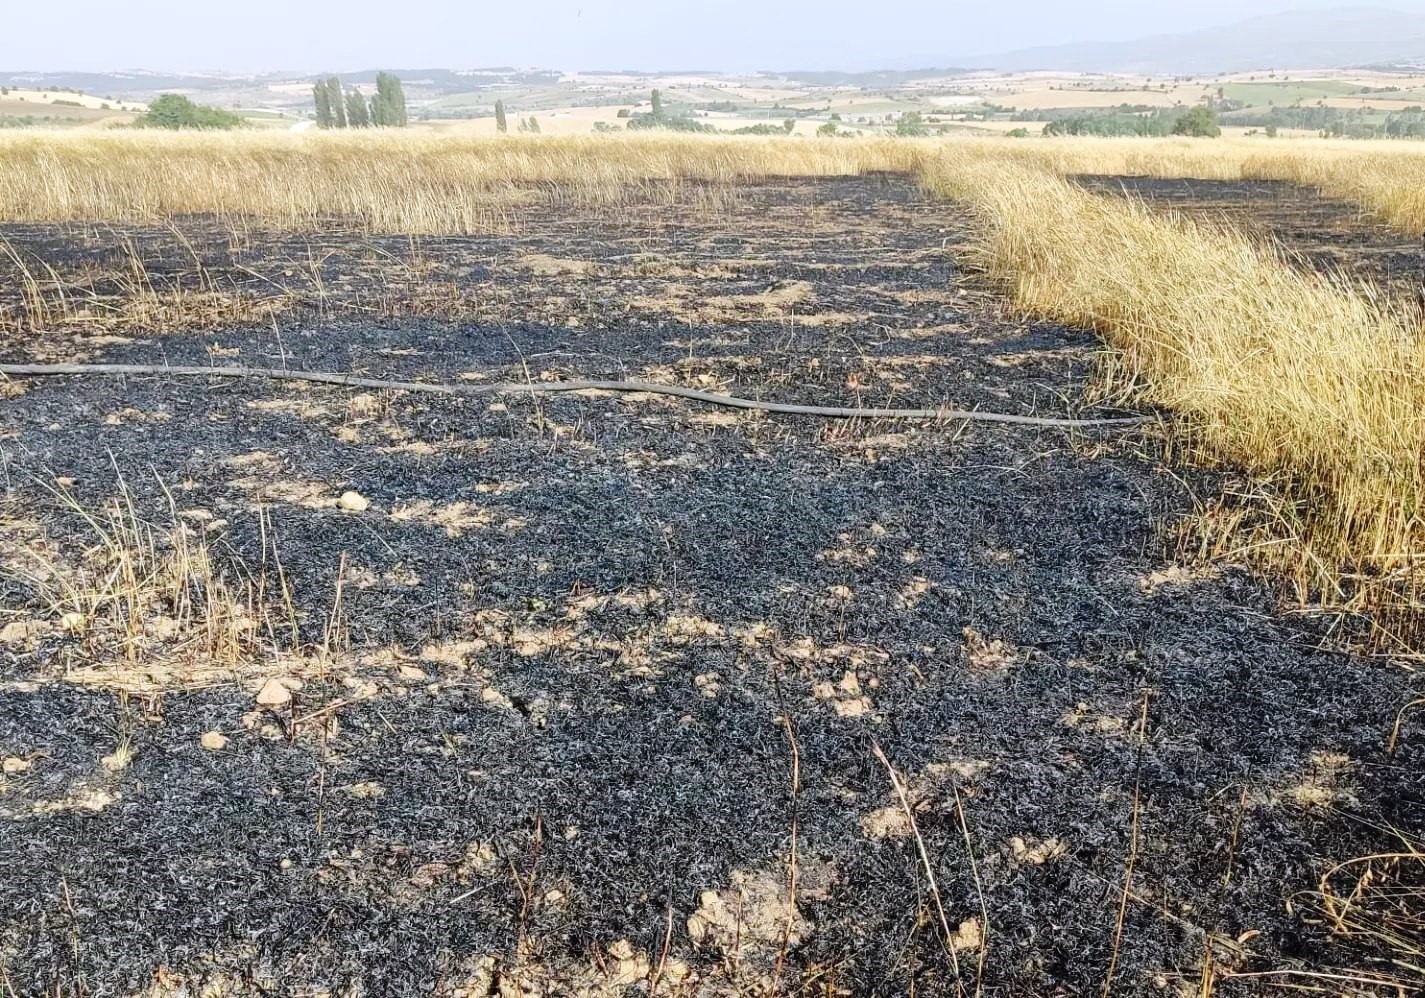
{"type": "Point", "coordinates": [273, 694]}
{"type": "Point", "coordinates": [73, 621]}
{"type": "Point", "coordinates": [493, 696]}
{"type": "Point", "coordinates": [214, 741]}
{"type": "Point", "coordinates": [14, 765]}
{"type": "Point", "coordinates": [353, 502]}
{"type": "Point", "coordinates": [968, 936]}
{"type": "Point", "coordinates": [411, 672]}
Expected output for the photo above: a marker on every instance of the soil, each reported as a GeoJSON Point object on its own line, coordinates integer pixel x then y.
{"type": "Point", "coordinates": [1318, 232]}
{"type": "Point", "coordinates": [581, 685]}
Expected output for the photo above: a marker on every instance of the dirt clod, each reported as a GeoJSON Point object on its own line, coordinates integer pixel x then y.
{"type": "Point", "coordinates": [273, 694]}
{"type": "Point", "coordinates": [353, 502]}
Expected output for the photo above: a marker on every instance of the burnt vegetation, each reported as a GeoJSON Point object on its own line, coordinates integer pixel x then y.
{"type": "Point", "coordinates": [394, 694]}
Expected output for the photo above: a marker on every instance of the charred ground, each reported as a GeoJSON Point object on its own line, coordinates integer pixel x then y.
{"type": "Point", "coordinates": [544, 739]}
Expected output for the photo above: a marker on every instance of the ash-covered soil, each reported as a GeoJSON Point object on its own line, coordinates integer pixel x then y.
{"type": "Point", "coordinates": [1317, 232]}
{"type": "Point", "coordinates": [593, 687]}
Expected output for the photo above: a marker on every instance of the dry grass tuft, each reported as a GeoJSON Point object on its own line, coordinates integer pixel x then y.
{"type": "Point", "coordinates": [153, 603]}
{"type": "Point", "coordinates": [127, 300]}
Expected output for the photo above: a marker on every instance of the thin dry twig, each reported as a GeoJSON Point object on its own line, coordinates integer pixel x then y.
{"type": "Point", "coordinates": [979, 893]}
{"type": "Point", "coordinates": [656, 975]}
{"type": "Point", "coordinates": [1132, 850]}
{"type": "Point", "coordinates": [796, 776]}
{"type": "Point", "coordinates": [947, 936]}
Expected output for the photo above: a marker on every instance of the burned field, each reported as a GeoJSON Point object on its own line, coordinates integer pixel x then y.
{"type": "Point", "coordinates": [307, 691]}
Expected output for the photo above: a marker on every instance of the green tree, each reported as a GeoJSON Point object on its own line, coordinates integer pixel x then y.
{"type": "Point", "coordinates": [789, 125]}
{"type": "Point", "coordinates": [337, 101]}
{"type": "Point", "coordinates": [501, 124]}
{"type": "Point", "coordinates": [357, 115]}
{"type": "Point", "coordinates": [657, 104]}
{"type": "Point", "coordinates": [910, 123]}
{"type": "Point", "coordinates": [1199, 122]}
{"type": "Point", "coordinates": [322, 97]}
{"type": "Point", "coordinates": [388, 107]}
{"type": "Point", "coordinates": [176, 111]}
{"type": "Point", "coordinates": [828, 129]}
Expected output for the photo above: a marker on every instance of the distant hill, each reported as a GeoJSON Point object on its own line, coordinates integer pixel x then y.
{"type": "Point", "coordinates": [1309, 39]}
{"type": "Point", "coordinates": [139, 84]}
{"type": "Point", "coordinates": [871, 78]}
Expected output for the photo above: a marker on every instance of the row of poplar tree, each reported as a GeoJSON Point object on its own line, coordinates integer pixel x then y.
{"type": "Point", "coordinates": [338, 109]}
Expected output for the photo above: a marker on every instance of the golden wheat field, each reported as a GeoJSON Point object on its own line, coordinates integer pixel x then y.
{"type": "Point", "coordinates": [710, 566]}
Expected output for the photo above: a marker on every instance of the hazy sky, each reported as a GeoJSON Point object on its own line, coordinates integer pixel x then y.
{"type": "Point", "coordinates": [311, 35]}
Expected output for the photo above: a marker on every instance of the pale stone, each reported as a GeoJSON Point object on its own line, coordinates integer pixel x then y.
{"type": "Point", "coordinates": [273, 694]}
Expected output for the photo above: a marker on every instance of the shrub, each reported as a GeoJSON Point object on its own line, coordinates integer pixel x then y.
{"type": "Point", "coordinates": [761, 128]}
{"type": "Point", "coordinates": [176, 111]}
{"type": "Point", "coordinates": [911, 124]}
{"type": "Point", "coordinates": [1200, 122]}
{"type": "Point", "coordinates": [674, 123]}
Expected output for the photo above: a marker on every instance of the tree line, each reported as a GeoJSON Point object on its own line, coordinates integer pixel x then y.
{"type": "Point", "coordinates": [1198, 122]}
{"type": "Point", "coordinates": [1335, 122]}
{"type": "Point", "coordinates": [338, 108]}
